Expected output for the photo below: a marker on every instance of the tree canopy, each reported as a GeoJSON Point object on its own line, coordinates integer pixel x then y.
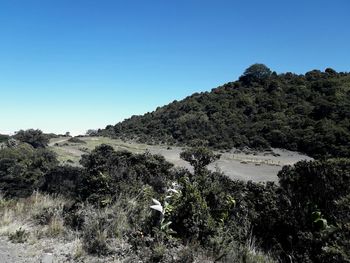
{"type": "Point", "coordinates": [36, 138]}
{"type": "Point", "coordinates": [308, 113]}
{"type": "Point", "coordinates": [257, 72]}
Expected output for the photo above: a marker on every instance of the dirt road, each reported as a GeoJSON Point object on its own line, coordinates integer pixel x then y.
{"type": "Point", "coordinates": [57, 140]}
{"type": "Point", "coordinates": [14, 253]}
{"type": "Point", "coordinates": [254, 166]}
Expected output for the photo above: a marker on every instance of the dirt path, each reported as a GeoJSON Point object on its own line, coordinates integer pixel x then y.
{"type": "Point", "coordinates": [14, 253]}
{"type": "Point", "coordinates": [57, 140]}
{"type": "Point", "coordinates": [254, 166]}
{"type": "Point", "coordinates": [260, 167]}
{"type": "Point", "coordinates": [38, 251]}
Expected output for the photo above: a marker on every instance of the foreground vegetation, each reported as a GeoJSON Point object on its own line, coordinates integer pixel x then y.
{"type": "Point", "coordinates": [308, 113]}
{"type": "Point", "coordinates": [139, 207]}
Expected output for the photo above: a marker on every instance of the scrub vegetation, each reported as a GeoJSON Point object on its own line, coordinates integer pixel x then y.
{"type": "Point", "coordinates": [121, 205]}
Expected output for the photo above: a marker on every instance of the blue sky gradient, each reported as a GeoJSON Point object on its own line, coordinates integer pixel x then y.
{"type": "Point", "coordinates": [73, 65]}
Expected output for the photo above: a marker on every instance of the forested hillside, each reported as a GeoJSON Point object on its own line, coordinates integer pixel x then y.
{"type": "Point", "coordinates": [308, 113]}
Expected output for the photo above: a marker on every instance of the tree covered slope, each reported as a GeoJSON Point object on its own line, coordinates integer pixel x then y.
{"type": "Point", "coordinates": [308, 113]}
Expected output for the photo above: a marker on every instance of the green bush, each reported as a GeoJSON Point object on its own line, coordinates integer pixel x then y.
{"type": "Point", "coordinates": [36, 138]}
{"type": "Point", "coordinates": [316, 185]}
{"type": "Point", "coordinates": [199, 158]}
{"type": "Point", "coordinates": [22, 169]}
{"type": "Point", "coordinates": [64, 180]}
{"type": "Point", "coordinates": [319, 209]}
{"type": "Point", "coordinates": [190, 217]}
{"type": "Point", "coordinates": [108, 173]}
{"type": "Point", "coordinates": [19, 236]}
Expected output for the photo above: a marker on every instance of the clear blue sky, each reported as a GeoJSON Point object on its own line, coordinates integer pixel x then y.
{"type": "Point", "coordinates": [70, 65]}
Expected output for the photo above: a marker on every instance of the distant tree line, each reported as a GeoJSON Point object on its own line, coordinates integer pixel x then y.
{"type": "Point", "coordinates": [308, 113]}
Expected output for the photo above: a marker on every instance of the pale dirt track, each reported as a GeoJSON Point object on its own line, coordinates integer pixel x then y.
{"type": "Point", "coordinates": [14, 253]}
{"type": "Point", "coordinates": [240, 166]}
{"type": "Point", "coordinates": [57, 140]}
{"type": "Point", "coordinates": [257, 167]}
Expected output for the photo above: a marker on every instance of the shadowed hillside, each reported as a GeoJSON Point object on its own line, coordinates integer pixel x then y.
{"type": "Point", "coordinates": [308, 113]}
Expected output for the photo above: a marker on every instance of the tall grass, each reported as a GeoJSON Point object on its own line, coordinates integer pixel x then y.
{"type": "Point", "coordinates": [112, 230]}
{"type": "Point", "coordinates": [27, 213]}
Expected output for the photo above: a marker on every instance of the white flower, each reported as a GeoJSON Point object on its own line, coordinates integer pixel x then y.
{"type": "Point", "coordinates": [155, 201]}
{"type": "Point", "coordinates": [157, 207]}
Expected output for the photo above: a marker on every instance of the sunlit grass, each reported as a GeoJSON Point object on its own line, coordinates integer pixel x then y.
{"type": "Point", "coordinates": [70, 153]}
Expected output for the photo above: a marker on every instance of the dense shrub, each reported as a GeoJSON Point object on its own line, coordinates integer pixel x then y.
{"type": "Point", "coordinates": [191, 216]}
{"type": "Point", "coordinates": [36, 138]}
{"type": "Point", "coordinates": [317, 185]}
{"type": "Point", "coordinates": [63, 180]}
{"type": "Point", "coordinates": [22, 169]}
{"type": "Point", "coordinates": [108, 173]}
{"type": "Point", "coordinates": [319, 194]}
{"type": "Point", "coordinates": [306, 219]}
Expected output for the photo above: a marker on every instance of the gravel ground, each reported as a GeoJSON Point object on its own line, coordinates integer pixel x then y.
{"type": "Point", "coordinates": [10, 253]}
{"type": "Point", "coordinates": [257, 166]}
{"type": "Point", "coordinates": [238, 165]}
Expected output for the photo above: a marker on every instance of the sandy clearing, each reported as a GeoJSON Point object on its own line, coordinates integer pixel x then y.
{"type": "Point", "coordinates": [257, 166]}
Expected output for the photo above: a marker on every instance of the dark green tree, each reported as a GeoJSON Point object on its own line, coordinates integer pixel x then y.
{"type": "Point", "coordinates": [257, 72]}
{"type": "Point", "coordinates": [199, 157]}
{"type": "Point", "coordinates": [36, 138]}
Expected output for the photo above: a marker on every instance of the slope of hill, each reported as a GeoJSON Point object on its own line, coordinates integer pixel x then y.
{"type": "Point", "coordinates": [309, 113]}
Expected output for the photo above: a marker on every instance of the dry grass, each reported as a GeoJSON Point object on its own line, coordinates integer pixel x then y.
{"type": "Point", "coordinates": [72, 151]}
{"type": "Point", "coordinates": [38, 220]}
{"type": "Point", "coordinates": [24, 213]}
{"type": "Point", "coordinates": [78, 251]}
{"type": "Point", "coordinates": [55, 227]}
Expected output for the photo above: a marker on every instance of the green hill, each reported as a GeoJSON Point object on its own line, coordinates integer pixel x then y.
{"type": "Point", "coordinates": [309, 113]}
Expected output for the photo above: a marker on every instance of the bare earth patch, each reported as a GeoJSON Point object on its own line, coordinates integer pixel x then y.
{"type": "Point", "coordinates": [254, 166]}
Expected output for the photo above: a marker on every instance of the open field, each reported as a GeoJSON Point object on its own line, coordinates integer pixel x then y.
{"type": "Point", "coordinates": [255, 166]}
